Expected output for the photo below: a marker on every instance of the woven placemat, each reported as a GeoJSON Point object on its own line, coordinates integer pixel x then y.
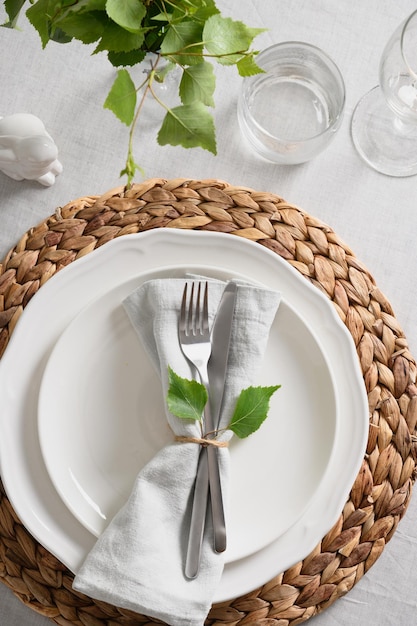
{"type": "Point", "coordinates": [381, 492]}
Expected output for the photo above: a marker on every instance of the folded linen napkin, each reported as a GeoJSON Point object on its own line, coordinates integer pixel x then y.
{"type": "Point", "coordinates": [138, 561]}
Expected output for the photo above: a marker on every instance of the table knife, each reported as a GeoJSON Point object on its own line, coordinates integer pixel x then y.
{"type": "Point", "coordinates": [217, 369]}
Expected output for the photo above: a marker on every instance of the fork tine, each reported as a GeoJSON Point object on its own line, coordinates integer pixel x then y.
{"type": "Point", "coordinates": [191, 315]}
{"type": "Point", "coordinates": [197, 325]}
{"type": "Point", "coordinates": [193, 321]}
{"type": "Point", "coordinates": [183, 309]}
{"type": "Point", "coordinates": [205, 324]}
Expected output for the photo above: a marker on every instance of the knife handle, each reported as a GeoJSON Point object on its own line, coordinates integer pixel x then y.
{"type": "Point", "coordinates": [198, 516]}
{"type": "Point", "coordinates": [216, 500]}
{"type": "Point", "coordinates": [216, 496]}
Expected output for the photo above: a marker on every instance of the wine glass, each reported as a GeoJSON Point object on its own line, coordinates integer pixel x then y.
{"type": "Point", "coordinates": [384, 123]}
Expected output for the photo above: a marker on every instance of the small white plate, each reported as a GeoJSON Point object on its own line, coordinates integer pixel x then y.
{"type": "Point", "coordinates": [102, 417]}
{"type": "Point", "coordinates": [24, 475]}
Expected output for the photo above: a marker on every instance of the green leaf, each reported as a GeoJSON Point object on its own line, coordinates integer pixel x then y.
{"type": "Point", "coordinates": [160, 17]}
{"type": "Point", "coordinates": [13, 8]}
{"type": "Point", "coordinates": [205, 10]}
{"type": "Point", "coordinates": [126, 58]}
{"type": "Point", "coordinates": [90, 5]}
{"type": "Point", "coordinates": [198, 10]}
{"type": "Point", "coordinates": [38, 16]}
{"type": "Point", "coordinates": [189, 125]}
{"type": "Point", "coordinates": [127, 13]}
{"type": "Point", "coordinates": [117, 39]}
{"type": "Point", "coordinates": [251, 410]}
{"type": "Point", "coordinates": [186, 398]}
{"type": "Point", "coordinates": [227, 39]}
{"type": "Point", "coordinates": [58, 35]}
{"type": "Point", "coordinates": [197, 84]}
{"type": "Point", "coordinates": [122, 98]}
{"type": "Point", "coordinates": [247, 67]}
{"type": "Point", "coordinates": [183, 42]}
{"type": "Point", "coordinates": [86, 27]}
{"type": "Point", "coordinates": [82, 6]}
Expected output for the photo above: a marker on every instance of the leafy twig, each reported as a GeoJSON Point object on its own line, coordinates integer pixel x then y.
{"type": "Point", "coordinates": [186, 399]}
{"type": "Point", "coordinates": [189, 34]}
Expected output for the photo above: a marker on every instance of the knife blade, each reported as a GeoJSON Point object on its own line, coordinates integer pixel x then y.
{"type": "Point", "coordinates": [208, 461]}
{"type": "Point", "coordinates": [220, 338]}
{"type": "Point", "coordinates": [217, 368]}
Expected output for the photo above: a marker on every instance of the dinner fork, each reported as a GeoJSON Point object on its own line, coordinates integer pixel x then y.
{"type": "Point", "coordinates": [195, 342]}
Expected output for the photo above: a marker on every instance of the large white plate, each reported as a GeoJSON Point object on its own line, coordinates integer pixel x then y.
{"type": "Point", "coordinates": [24, 474]}
{"type": "Point", "coordinates": [101, 418]}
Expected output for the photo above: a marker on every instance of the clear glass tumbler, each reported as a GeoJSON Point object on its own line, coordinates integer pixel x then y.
{"type": "Point", "coordinates": [290, 113]}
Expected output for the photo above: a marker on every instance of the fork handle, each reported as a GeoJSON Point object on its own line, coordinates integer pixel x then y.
{"type": "Point", "coordinates": [199, 507]}
{"type": "Point", "coordinates": [198, 517]}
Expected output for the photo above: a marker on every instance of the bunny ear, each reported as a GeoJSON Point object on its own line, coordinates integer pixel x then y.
{"type": "Point", "coordinates": [7, 148]}
{"type": "Point", "coordinates": [7, 155]}
{"type": "Point", "coordinates": [8, 141]}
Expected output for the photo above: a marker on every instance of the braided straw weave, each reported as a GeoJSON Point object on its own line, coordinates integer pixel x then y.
{"type": "Point", "coordinates": [381, 492]}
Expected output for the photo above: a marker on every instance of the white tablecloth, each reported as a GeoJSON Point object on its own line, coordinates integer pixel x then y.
{"type": "Point", "coordinates": [376, 215]}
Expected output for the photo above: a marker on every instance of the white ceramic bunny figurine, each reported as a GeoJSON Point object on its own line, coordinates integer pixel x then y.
{"type": "Point", "coordinates": [27, 151]}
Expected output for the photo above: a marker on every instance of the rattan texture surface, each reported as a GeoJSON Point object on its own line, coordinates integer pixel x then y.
{"type": "Point", "coordinates": [382, 489]}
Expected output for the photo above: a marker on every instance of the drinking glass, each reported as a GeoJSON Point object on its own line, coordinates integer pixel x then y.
{"type": "Point", "coordinates": [384, 123]}
{"type": "Point", "coordinates": [291, 111]}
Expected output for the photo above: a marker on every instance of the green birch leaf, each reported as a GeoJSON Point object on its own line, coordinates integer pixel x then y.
{"type": "Point", "coordinates": [37, 15]}
{"type": "Point", "coordinates": [159, 17]}
{"type": "Point", "coordinates": [182, 41]}
{"type": "Point", "coordinates": [83, 6]}
{"type": "Point", "coordinates": [251, 410]}
{"type": "Point", "coordinates": [228, 39]}
{"type": "Point", "coordinates": [186, 398]}
{"type": "Point", "coordinates": [127, 13]}
{"type": "Point", "coordinates": [117, 39]}
{"type": "Point", "coordinates": [189, 125]}
{"type": "Point", "coordinates": [121, 99]}
{"type": "Point", "coordinates": [13, 9]}
{"type": "Point", "coordinates": [126, 58]}
{"type": "Point", "coordinates": [91, 5]}
{"type": "Point", "coordinates": [86, 27]}
{"type": "Point", "coordinates": [246, 66]}
{"type": "Point", "coordinates": [205, 10]}
{"type": "Point", "coordinates": [60, 36]}
{"type": "Point", "coordinates": [198, 10]}
{"type": "Point", "coordinates": [197, 84]}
